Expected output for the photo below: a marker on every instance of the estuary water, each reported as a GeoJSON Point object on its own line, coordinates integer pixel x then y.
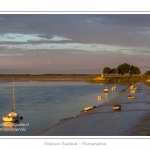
{"type": "Point", "coordinates": [43, 104]}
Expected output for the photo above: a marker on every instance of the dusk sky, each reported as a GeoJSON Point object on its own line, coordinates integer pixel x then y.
{"type": "Point", "coordinates": [79, 43]}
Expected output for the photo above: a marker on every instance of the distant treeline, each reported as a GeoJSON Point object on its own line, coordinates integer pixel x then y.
{"type": "Point", "coordinates": [122, 69]}
{"type": "Point", "coordinates": [49, 74]}
{"type": "Point", "coordinates": [47, 77]}
{"type": "Point", "coordinates": [121, 79]}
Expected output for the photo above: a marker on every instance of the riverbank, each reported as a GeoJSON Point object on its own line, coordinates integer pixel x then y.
{"type": "Point", "coordinates": [61, 77]}
{"type": "Point", "coordinates": [122, 79]}
{"type": "Point", "coordinates": [91, 78]}
{"type": "Point", "coordinates": [104, 121]}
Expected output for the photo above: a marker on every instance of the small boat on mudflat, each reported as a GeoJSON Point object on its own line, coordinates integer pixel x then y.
{"type": "Point", "coordinates": [130, 97]}
{"type": "Point", "coordinates": [132, 91]}
{"type": "Point", "coordinates": [89, 108]}
{"type": "Point", "coordinates": [131, 87]}
{"type": "Point", "coordinates": [117, 107]}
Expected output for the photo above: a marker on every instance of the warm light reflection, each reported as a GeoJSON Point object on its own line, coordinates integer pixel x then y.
{"type": "Point", "coordinates": [8, 125]}
{"type": "Point", "coordinates": [106, 96]}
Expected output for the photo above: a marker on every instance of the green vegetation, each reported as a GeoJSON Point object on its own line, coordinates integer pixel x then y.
{"type": "Point", "coordinates": [147, 73]}
{"type": "Point", "coordinates": [92, 78]}
{"type": "Point", "coordinates": [124, 73]}
{"type": "Point", "coordinates": [114, 71]}
{"type": "Point", "coordinates": [122, 69]}
{"type": "Point", "coordinates": [107, 70]}
{"type": "Point", "coordinates": [47, 77]}
{"type": "Point", "coordinates": [122, 79]}
{"type": "Point", "coordinates": [134, 70]}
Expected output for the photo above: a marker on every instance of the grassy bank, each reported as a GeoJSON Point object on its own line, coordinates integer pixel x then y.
{"type": "Point", "coordinates": [49, 77]}
{"type": "Point", "coordinates": [91, 78]}
{"type": "Point", "coordinates": [121, 79]}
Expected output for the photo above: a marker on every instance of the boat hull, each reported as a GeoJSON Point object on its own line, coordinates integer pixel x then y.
{"type": "Point", "coordinates": [11, 117]}
{"type": "Point", "coordinates": [130, 97]}
{"type": "Point", "coordinates": [105, 91]}
{"type": "Point", "coordinates": [89, 108]}
{"type": "Point", "coordinates": [117, 107]}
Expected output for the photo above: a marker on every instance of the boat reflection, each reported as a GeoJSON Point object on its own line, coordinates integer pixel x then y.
{"type": "Point", "coordinates": [106, 96]}
{"type": "Point", "coordinates": [10, 128]}
{"type": "Point", "coordinates": [8, 124]}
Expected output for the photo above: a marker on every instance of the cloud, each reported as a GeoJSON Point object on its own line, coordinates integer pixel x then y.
{"type": "Point", "coordinates": [74, 40]}
{"type": "Point", "coordinates": [19, 37]}
{"type": "Point", "coordinates": [59, 38]}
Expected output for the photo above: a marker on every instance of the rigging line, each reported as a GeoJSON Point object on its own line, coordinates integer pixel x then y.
{"type": "Point", "coordinates": [13, 95]}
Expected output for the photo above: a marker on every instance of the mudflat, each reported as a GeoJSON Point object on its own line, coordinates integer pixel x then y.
{"type": "Point", "coordinates": [132, 120]}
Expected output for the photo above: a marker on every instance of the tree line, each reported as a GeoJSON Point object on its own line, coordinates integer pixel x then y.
{"type": "Point", "coordinates": [147, 72]}
{"type": "Point", "coordinates": [122, 69]}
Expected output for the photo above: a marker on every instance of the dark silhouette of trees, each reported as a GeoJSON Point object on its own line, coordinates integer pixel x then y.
{"type": "Point", "coordinates": [134, 70]}
{"type": "Point", "coordinates": [107, 70]}
{"type": "Point", "coordinates": [123, 69]}
{"type": "Point", "coordinates": [114, 71]}
{"type": "Point", "coordinates": [147, 72]}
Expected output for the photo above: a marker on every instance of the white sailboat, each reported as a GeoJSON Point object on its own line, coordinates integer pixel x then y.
{"type": "Point", "coordinates": [13, 115]}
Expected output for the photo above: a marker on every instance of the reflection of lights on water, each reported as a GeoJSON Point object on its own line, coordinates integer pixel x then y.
{"type": "Point", "coordinates": [8, 125]}
{"type": "Point", "coordinates": [106, 95]}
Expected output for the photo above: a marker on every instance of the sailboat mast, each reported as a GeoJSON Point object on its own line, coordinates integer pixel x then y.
{"type": "Point", "coordinates": [13, 93]}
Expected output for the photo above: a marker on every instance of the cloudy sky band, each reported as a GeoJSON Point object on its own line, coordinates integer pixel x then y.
{"type": "Point", "coordinates": [98, 40]}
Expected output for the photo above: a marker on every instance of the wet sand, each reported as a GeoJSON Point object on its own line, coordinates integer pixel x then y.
{"type": "Point", "coordinates": [132, 120]}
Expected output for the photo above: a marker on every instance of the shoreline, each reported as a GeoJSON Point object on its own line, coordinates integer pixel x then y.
{"type": "Point", "coordinates": [82, 113]}
{"type": "Point", "coordinates": [91, 78]}
{"type": "Point", "coordinates": [76, 123]}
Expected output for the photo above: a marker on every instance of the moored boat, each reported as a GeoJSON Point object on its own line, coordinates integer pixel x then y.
{"type": "Point", "coordinates": [117, 107]}
{"type": "Point", "coordinates": [105, 90]}
{"type": "Point", "coordinates": [131, 87]}
{"type": "Point", "coordinates": [132, 91]}
{"type": "Point", "coordinates": [113, 88]}
{"type": "Point", "coordinates": [130, 97]}
{"type": "Point", "coordinates": [89, 108]}
{"type": "Point", "coordinates": [13, 115]}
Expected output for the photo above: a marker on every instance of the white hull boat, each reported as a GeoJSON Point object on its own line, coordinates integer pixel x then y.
{"type": "Point", "coordinates": [105, 90]}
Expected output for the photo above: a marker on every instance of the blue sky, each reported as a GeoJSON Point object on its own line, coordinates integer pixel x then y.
{"type": "Point", "coordinates": [77, 43]}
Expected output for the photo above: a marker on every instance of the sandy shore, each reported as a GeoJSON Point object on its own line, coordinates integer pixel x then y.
{"type": "Point", "coordinates": [132, 119]}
